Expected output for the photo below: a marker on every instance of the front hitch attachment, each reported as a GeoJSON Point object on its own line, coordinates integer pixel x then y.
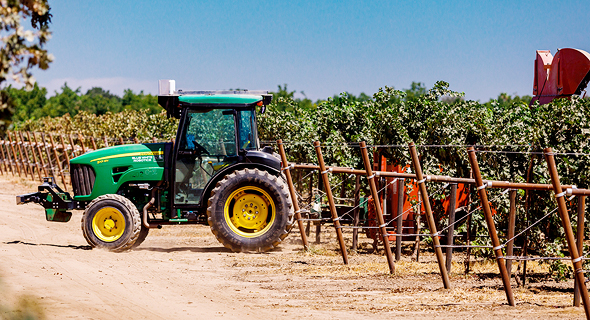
{"type": "Point", "coordinates": [55, 201]}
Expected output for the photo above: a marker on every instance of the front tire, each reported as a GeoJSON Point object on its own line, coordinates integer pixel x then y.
{"type": "Point", "coordinates": [250, 210]}
{"type": "Point", "coordinates": [112, 222]}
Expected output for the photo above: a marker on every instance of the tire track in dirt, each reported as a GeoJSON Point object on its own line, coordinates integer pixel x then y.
{"type": "Point", "coordinates": [42, 257]}
{"type": "Point", "coordinates": [96, 283]}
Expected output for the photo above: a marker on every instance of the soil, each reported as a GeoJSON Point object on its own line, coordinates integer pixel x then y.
{"type": "Point", "coordinates": [182, 272]}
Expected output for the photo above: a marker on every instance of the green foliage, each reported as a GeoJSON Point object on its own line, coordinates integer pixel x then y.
{"type": "Point", "coordinates": [32, 104]}
{"type": "Point", "coordinates": [21, 49]}
{"type": "Point", "coordinates": [284, 99]}
{"type": "Point", "coordinates": [558, 270]}
{"type": "Point", "coordinates": [439, 116]}
{"type": "Point", "coordinates": [125, 124]}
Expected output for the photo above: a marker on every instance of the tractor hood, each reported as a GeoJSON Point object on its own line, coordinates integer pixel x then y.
{"type": "Point", "coordinates": [123, 154]}
{"type": "Point", "coordinates": [114, 166]}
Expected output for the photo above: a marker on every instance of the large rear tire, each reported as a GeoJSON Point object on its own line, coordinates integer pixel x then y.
{"type": "Point", "coordinates": [250, 210]}
{"type": "Point", "coordinates": [112, 222]}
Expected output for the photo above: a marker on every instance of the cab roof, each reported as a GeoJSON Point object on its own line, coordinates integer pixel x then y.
{"type": "Point", "coordinates": [220, 98]}
{"type": "Point", "coordinates": [176, 100]}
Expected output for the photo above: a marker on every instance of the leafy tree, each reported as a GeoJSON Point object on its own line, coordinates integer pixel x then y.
{"type": "Point", "coordinates": [21, 49]}
{"type": "Point", "coordinates": [507, 100]}
{"type": "Point", "coordinates": [416, 90]}
{"type": "Point", "coordinates": [67, 101]}
{"type": "Point", "coordinates": [141, 101]}
{"type": "Point", "coordinates": [283, 98]}
{"type": "Point", "coordinates": [26, 102]}
{"type": "Point", "coordinates": [99, 101]}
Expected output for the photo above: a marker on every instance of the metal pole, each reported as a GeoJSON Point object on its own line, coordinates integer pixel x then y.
{"type": "Point", "coordinates": [40, 154]}
{"type": "Point", "coordinates": [356, 211]}
{"type": "Point", "coordinates": [73, 146]}
{"type": "Point", "coordinates": [7, 157]}
{"type": "Point", "coordinates": [483, 197]}
{"type": "Point", "coordinates": [81, 139]}
{"type": "Point", "coordinates": [429, 217]}
{"type": "Point", "coordinates": [26, 151]}
{"type": "Point", "coordinates": [287, 171]}
{"type": "Point", "coordinates": [510, 233]}
{"type": "Point", "coordinates": [326, 179]}
{"type": "Point", "coordinates": [569, 234]}
{"type": "Point", "coordinates": [400, 218]}
{"type": "Point", "coordinates": [61, 171]}
{"type": "Point", "coordinates": [451, 232]}
{"type": "Point", "coordinates": [3, 159]}
{"type": "Point", "coordinates": [580, 240]}
{"type": "Point", "coordinates": [49, 161]}
{"type": "Point", "coordinates": [435, 178]}
{"type": "Point", "coordinates": [24, 155]}
{"type": "Point", "coordinates": [375, 194]}
{"type": "Point", "coordinates": [16, 160]}
{"type": "Point", "coordinates": [37, 165]}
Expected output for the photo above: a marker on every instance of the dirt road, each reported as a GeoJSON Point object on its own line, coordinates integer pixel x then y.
{"type": "Point", "coordinates": [184, 273]}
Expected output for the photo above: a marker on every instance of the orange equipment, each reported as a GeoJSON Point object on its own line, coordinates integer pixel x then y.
{"type": "Point", "coordinates": [560, 76]}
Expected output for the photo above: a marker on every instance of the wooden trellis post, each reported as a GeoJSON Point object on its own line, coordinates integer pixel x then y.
{"type": "Point", "coordinates": [36, 164]}
{"type": "Point", "coordinates": [49, 161]}
{"type": "Point", "coordinates": [326, 179]}
{"type": "Point", "coordinates": [375, 194]}
{"type": "Point", "coordinates": [569, 233]}
{"type": "Point", "coordinates": [61, 171]}
{"type": "Point", "coordinates": [429, 217]}
{"type": "Point", "coordinates": [40, 154]}
{"type": "Point", "coordinates": [483, 197]}
{"type": "Point", "coordinates": [6, 157]}
{"type": "Point", "coordinates": [287, 171]}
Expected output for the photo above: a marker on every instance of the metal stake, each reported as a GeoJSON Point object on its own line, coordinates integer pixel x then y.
{"type": "Point", "coordinates": [287, 171]}
{"type": "Point", "coordinates": [36, 164]}
{"type": "Point", "coordinates": [61, 171]}
{"type": "Point", "coordinates": [580, 240]}
{"type": "Point", "coordinates": [326, 179]}
{"type": "Point", "coordinates": [375, 194]}
{"type": "Point", "coordinates": [510, 234]}
{"type": "Point", "coordinates": [356, 211]}
{"type": "Point", "coordinates": [483, 197]}
{"type": "Point", "coordinates": [400, 218]}
{"type": "Point", "coordinates": [40, 154]}
{"type": "Point", "coordinates": [429, 217]}
{"type": "Point", "coordinates": [451, 232]}
{"type": "Point", "coordinates": [7, 157]}
{"type": "Point", "coordinates": [569, 234]}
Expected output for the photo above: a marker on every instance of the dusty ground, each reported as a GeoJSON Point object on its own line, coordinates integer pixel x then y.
{"type": "Point", "coordinates": [183, 273]}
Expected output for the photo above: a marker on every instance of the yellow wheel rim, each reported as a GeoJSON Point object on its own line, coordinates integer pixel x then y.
{"type": "Point", "coordinates": [108, 224]}
{"type": "Point", "coordinates": [249, 212]}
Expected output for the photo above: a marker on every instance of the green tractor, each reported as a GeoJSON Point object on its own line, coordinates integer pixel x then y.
{"type": "Point", "coordinates": [214, 173]}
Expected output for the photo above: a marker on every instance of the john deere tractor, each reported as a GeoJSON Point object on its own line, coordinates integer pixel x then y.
{"type": "Point", "coordinates": [214, 173]}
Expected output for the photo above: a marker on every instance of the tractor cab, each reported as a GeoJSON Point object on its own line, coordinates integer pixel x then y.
{"type": "Point", "coordinates": [217, 130]}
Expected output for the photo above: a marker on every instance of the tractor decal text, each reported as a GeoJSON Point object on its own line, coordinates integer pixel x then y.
{"type": "Point", "coordinates": [135, 155]}
{"type": "Point", "coordinates": [142, 158]}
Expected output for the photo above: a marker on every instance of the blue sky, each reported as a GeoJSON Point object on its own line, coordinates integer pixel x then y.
{"type": "Point", "coordinates": [323, 48]}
